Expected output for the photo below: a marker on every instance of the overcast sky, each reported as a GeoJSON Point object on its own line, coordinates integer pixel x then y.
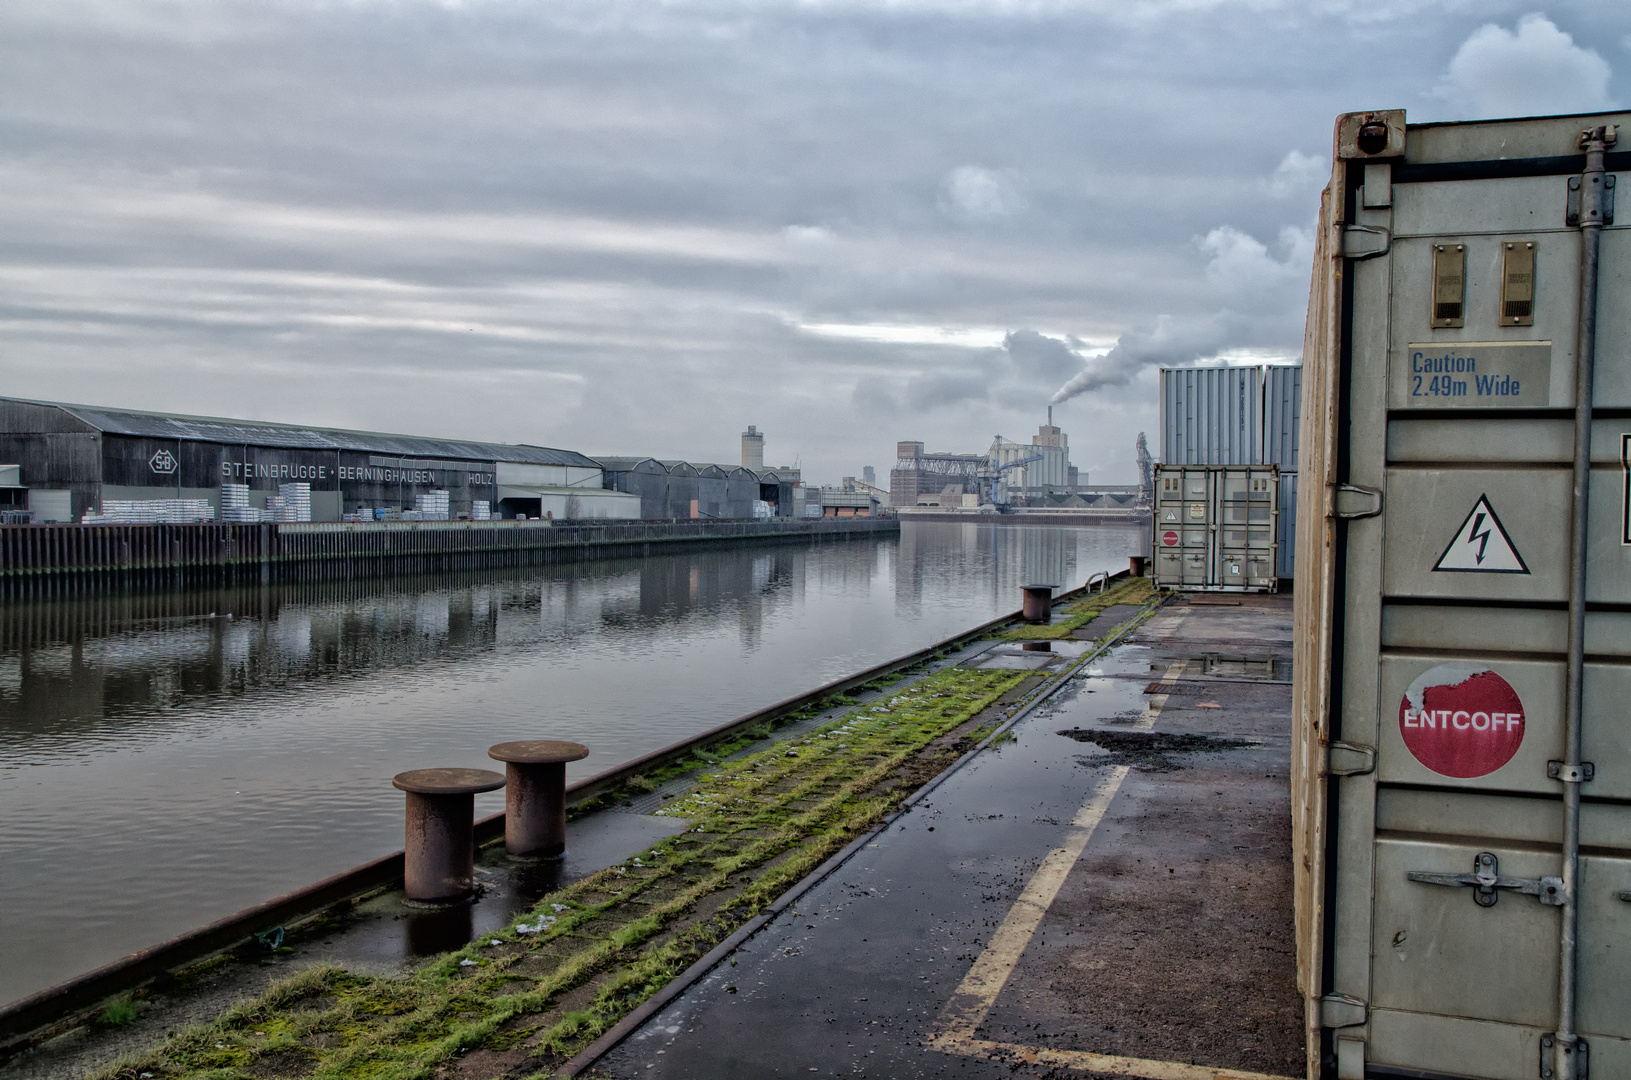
{"type": "Point", "coordinates": [635, 228]}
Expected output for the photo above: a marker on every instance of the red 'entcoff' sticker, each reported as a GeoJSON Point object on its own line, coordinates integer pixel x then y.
{"type": "Point", "coordinates": [1461, 720]}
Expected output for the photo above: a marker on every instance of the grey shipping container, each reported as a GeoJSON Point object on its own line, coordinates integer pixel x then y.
{"type": "Point", "coordinates": [1211, 416]}
{"type": "Point", "coordinates": [1216, 527]}
{"type": "Point", "coordinates": [1282, 414]}
{"type": "Point", "coordinates": [1461, 771]}
{"type": "Point", "coordinates": [1238, 416]}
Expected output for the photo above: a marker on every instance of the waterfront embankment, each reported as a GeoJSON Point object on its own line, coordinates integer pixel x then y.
{"type": "Point", "coordinates": [227, 550]}
{"type": "Point", "coordinates": [570, 969]}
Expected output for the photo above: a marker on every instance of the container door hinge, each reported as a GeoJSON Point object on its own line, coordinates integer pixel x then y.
{"type": "Point", "coordinates": [1571, 774]}
{"type": "Point", "coordinates": [1340, 1010]}
{"type": "Point", "coordinates": [1548, 1053]}
{"type": "Point", "coordinates": [1346, 759]}
{"type": "Point", "coordinates": [1365, 241]}
{"type": "Point", "coordinates": [1486, 882]}
{"type": "Point", "coordinates": [1356, 502]}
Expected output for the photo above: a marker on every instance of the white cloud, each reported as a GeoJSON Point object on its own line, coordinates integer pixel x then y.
{"type": "Point", "coordinates": [1243, 270]}
{"type": "Point", "coordinates": [973, 192]}
{"type": "Point", "coordinates": [1299, 175]}
{"type": "Point", "coordinates": [1534, 70]}
{"type": "Point", "coordinates": [967, 337]}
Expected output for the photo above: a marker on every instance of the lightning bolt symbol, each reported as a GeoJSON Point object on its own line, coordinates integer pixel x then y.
{"type": "Point", "coordinates": [1481, 537]}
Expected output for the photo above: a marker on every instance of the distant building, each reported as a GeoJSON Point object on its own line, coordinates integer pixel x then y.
{"type": "Point", "coordinates": [76, 459]}
{"type": "Point", "coordinates": [753, 448]}
{"type": "Point", "coordinates": [917, 473]}
{"type": "Point", "coordinates": [869, 475]}
{"type": "Point", "coordinates": [1046, 470]}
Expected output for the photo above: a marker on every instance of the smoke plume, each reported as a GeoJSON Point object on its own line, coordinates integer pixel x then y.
{"type": "Point", "coordinates": [1168, 341]}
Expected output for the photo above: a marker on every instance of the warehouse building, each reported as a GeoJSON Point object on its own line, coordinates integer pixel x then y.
{"type": "Point", "coordinates": [74, 459]}
{"type": "Point", "coordinates": [684, 489]}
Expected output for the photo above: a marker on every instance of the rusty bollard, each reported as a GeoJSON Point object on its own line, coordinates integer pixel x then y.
{"type": "Point", "coordinates": [440, 838]}
{"type": "Point", "coordinates": [1038, 607]}
{"type": "Point", "coordinates": [535, 798]}
{"type": "Point", "coordinates": [1136, 564]}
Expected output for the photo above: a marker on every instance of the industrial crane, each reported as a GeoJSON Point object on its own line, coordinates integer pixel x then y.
{"type": "Point", "coordinates": [993, 473]}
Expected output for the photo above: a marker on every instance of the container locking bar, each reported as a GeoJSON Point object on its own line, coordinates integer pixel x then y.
{"type": "Point", "coordinates": [1486, 882]}
{"type": "Point", "coordinates": [1566, 1057]}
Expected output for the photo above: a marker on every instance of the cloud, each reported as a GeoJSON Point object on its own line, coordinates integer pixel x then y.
{"type": "Point", "coordinates": [1243, 271]}
{"type": "Point", "coordinates": [1535, 69]}
{"type": "Point", "coordinates": [981, 194]}
{"type": "Point", "coordinates": [1299, 175]}
{"type": "Point", "coordinates": [638, 228]}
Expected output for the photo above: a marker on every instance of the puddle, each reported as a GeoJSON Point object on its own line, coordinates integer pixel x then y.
{"type": "Point", "coordinates": [1214, 665]}
{"type": "Point", "coordinates": [1148, 751]}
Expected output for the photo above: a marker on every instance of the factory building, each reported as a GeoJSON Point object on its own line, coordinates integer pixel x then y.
{"type": "Point", "coordinates": [75, 459]}
{"type": "Point", "coordinates": [918, 475]}
{"type": "Point", "coordinates": [1030, 472]}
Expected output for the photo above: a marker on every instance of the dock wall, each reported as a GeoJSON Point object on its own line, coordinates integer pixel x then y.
{"type": "Point", "coordinates": [227, 550]}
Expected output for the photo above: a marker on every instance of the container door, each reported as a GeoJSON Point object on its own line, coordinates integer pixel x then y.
{"type": "Point", "coordinates": [1169, 525]}
{"type": "Point", "coordinates": [1454, 426]}
{"type": "Point", "coordinates": [1200, 519]}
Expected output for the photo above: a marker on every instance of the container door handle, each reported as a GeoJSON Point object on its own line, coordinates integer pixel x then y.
{"type": "Point", "coordinates": [1486, 882]}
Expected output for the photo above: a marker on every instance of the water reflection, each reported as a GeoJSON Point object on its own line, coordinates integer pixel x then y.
{"type": "Point", "coordinates": [167, 757]}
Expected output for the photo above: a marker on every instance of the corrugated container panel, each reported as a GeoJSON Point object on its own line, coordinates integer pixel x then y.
{"type": "Point", "coordinates": [1288, 527]}
{"type": "Point", "coordinates": [1282, 412]}
{"type": "Point", "coordinates": [1211, 416]}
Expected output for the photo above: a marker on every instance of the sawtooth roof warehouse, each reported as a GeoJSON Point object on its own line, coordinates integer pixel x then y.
{"type": "Point", "coordinates": [74, 457]}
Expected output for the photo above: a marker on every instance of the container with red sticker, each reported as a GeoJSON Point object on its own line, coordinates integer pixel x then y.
{"type": "Point", "coordinates": [1461, 720]}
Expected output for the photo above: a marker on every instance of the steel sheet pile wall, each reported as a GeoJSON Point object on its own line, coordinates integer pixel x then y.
{"type": "Point", "coordinates": [1461, 766]}
{"type": "Point", "coordinates": [27, 550]}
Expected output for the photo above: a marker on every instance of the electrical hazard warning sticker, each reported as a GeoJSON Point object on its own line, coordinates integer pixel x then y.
{"type": "Point", "coordinates": [1481, 546]}
{"type": "Point", "coordinates": [1461, 720]}
{"type": "Point", "coordinates": [1169, 513]}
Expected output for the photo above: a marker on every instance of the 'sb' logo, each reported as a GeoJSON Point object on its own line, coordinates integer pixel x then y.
{"type": "Point", "coordinates": [163, 463]}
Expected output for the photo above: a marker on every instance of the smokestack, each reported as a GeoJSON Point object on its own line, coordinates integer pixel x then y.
{"type": "Point", "coordinates": [1050, 415]}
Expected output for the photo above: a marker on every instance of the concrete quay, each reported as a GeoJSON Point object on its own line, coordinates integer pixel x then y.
{"type": "Point", "coordinates": [1107, 892]}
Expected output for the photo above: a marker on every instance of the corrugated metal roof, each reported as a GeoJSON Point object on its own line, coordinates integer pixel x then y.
{"type": "Point", "coordinates": [260, 433]}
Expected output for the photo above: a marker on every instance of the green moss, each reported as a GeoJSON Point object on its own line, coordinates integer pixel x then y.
{"type": "Point", "coordinates": [117, 1013]}
{"type": "Point", "coordinates": [1082, 612]}
{"type": "Point", "coordinates": [756, 826]}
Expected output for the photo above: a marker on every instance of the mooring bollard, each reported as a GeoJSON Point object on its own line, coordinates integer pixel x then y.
{"type": "Point", "coordinates": [440, 839]}
{"type": "Point", "coordinates": [1136, 565]}
{"type": "Point", "coordinates": [535, 800]}
{"type": "Point", "coordinates": [1038, 607]}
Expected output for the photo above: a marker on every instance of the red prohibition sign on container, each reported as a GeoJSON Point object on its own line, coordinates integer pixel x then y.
{"type": "Point", "coordinates": [1169, 538]}
{"type": "Point", "coordinates": [1461, 720]}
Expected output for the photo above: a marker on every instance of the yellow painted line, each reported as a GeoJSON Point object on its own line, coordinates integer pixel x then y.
{"type": "Point", "coordinates": [1108, 1064]}
{"type": "Point", "coordinates": [978, 991]}
{"type": "Point", "coordinates": [1158, 701]}
{"type": "Point", "coordinates": [975, 996]}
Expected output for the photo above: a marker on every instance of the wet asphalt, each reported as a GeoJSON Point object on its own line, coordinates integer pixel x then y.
{"type": "Point", "coordinates": [1168, 938]}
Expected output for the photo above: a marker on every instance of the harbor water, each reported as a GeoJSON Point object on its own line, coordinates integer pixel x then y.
{"type": "Point", "coordinates": [169, 757]}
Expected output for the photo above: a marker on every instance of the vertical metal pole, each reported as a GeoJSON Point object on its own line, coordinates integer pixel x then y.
{"type": "Point", "coordinates": [1565, 1050]}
